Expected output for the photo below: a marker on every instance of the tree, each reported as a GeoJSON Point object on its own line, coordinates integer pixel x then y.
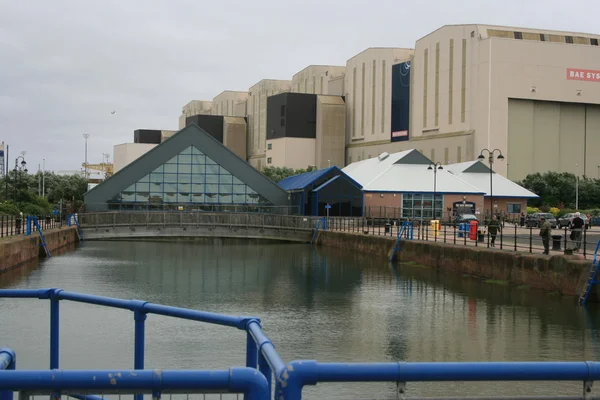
{"type": "Point", "coordinates": [276, 174]}
{"type": "Point", "coordinates": [559, 189]}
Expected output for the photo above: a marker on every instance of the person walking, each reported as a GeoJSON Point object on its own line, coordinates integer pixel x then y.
{"type": "Point", "coordinates": [545, 233]}
{"type": "Point", "coordinates": [522, 220]}
{"type": "Point", "coordinates": [493, 228]}
{"type": "Point", "coordinates": [577, 226]}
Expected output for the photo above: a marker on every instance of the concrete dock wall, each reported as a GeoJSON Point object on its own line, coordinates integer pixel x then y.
{"type": "Point", "coordinates": [17, 250]}
{"type": "Point", "coordinates": [563, 274]}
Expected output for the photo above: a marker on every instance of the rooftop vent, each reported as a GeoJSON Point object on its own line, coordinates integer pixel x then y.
{"type": "Point", "coordinates": [383, 156]}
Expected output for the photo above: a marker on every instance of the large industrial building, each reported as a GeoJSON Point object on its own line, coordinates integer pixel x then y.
{"type": "Point", "coordinates": [533, 94]}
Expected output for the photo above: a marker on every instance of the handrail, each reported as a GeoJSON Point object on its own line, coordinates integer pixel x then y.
{"type": "Point", "coordinates": [236, 380]}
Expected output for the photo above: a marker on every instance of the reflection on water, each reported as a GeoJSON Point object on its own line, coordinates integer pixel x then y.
{"type": "Point", "coordinates": [323, 304]}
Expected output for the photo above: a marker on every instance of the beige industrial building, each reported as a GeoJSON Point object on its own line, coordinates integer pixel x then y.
{"type": "Point", "coordinates": [125, 153]}
{"type": "Point", "coordinates": [324, 148]}
{"type": "Point", "coordinates": [320, 79]}
{"type": "Point", "coordinates": [195, 107]}
{"type": "Point", "coordinates": [257, 118]}
{"type": "Point", "coordinates": [368, 98]}
{"type": "Point", "coordinates": [533, 94]}
{"type": "Point", "coordinates": [225, 104]}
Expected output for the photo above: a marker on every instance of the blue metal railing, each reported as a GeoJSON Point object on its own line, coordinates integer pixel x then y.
{"type": "Point", "coordinates": [262, 362]}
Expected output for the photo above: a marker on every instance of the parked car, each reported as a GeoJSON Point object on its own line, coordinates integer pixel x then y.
{"type": "Point", "coordinates": [567, 220]}
{"type": "Point", "coordinates": [465, 218]}
{"type": "Point", "coordinates": [534, 220]}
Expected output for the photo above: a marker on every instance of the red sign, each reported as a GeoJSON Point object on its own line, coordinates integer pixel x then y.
{"type": "Point", "coordinates": [399, 134]}
{"type": "Point", "coordinates": [590, 75]}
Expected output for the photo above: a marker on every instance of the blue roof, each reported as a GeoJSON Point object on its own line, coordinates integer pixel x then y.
{"type": "Point", "coordinates": [298, 182]}
{"type": "Point", "coordinates": [302, 181]}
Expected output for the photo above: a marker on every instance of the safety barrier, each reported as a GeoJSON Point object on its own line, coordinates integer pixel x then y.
{"type": "Point", "coordinates": [255, 380]}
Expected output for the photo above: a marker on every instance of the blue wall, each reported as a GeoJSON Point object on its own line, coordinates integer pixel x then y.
{"type": "Point", "coordinates": [400, 101]}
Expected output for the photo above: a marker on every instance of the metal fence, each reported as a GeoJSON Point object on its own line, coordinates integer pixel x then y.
{"type": "Point", "coordinates": [250, 220]}
{"type": "Point", "coordinates": [446, 216]}
{"type": "Point", "coordinates": [510, 237]}
{"type": "Point", "coordinates": [11, 225]}
{"type": "Point", "coordinates": [255, 380]}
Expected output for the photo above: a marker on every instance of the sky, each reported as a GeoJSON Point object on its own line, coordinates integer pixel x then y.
{"type": "Point", "coordinates": [65, 65]}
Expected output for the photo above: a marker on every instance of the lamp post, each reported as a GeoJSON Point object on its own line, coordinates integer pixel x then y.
{"type": "Point", "coordinates": [491, 163]}
{"type": "Point", "coordinates": [577, 188]}
{"type": "Point", "coordinates": [86, 136]}
{"type": "Point", "coordinates": [434, 166]}
{"type": "Point", "coordinates": [22, 167]}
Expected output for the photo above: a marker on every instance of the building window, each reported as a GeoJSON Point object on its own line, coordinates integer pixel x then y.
{"type": "Point", "coordinates": [420, 206]}
{"type": "Point", "coordinates": [188, 179]}
{"type": "Point", "coordinates": [425, 81]}
{"type": "Point", "coordinates": [283, 110]}
{"type": "Point", "coordinates": [518, 35]}
{"type": "Point", "coordinates": [513, 208]}
{"type": "Point", "coordinates": [543, 37]}
{"type": "Point", "coordinates": [458, 154]}
{"type": "Point", "coordinates": [569, 39]}
{"type": "Point", "coordinates": [594, 42]}
{"type": "Point", "coordinates": [269, 160]}
{"type": "Point", "coordinates": [282, 122]}
{"type": "Point", "coordinates": [270, 146]}
{"type": "Point", "coordinates": [446, 155]}
{"type": "Point", "coordinates": [436, 104]}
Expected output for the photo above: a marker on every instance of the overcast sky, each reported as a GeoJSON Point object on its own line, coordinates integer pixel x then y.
{"type": "Point", "coordinates": [66, 64]}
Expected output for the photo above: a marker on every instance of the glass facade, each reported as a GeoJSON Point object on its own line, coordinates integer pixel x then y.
{"type": "Point", "coordinates": [189, 178]}
{"type": "Point", "coordinates": [345, 199]}
{"type": "Point", "coordinates": [421, 206]}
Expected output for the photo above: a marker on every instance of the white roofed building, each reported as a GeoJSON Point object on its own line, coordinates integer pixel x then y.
{"type": "Point", "coordinates": [403, 185]}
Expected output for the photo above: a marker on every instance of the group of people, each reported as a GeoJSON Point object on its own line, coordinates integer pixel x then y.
{"type": "Point", "coordinates": [577, 227]}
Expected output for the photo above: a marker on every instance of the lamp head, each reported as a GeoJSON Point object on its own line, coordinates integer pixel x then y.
{"type": "Point", "coordinates": [25, 170]}
{"type": "Point", "coordinates": [440, 167]}
{"type": "Point", "coordinates": [429, 168]}
{"type": "Point", "coordinates": [500, 157]}
{"type": "Point", "coordinates": [481, 157]}
{"type": "Point", "coordinates": [23, 163]}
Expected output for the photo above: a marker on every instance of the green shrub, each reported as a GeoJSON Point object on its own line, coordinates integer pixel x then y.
{"type": "Point", "coordinates": [533, 210]}
{"type": "Point", "coordinates": [7, 207]}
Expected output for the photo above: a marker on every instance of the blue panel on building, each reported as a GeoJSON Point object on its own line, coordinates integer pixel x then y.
{"type": "Point", "coordinates": [400, 101]}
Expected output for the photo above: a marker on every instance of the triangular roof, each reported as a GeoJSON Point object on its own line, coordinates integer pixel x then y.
{"type": "Point", "coordinates": [477, 174]}
{"type": "Point", "coordinates": [301, 181]}
{"type": "Point", "coordinates": [192, 135]}
{"type": "Point", "coordinates": [405, 171]}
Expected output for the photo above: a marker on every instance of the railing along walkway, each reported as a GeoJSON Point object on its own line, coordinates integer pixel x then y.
{"type": "Point", "coordinates": [263, 363]}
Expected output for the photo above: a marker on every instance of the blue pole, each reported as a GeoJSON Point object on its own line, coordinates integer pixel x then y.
{"type": "Point", "coordinates": [8, 361]}
{"type": "Point", "coordinates": [265, 369]}
{"type": "Point", "coordinates": [251, 352]}
{"type": "Point", "coordinates": [138, 362]}
{"type": "Point", "coordinates": [54, 330]}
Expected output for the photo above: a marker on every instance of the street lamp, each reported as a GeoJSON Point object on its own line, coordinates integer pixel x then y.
{"type": "Point", "coordinates": [19, 167]}
{"type": "Point", "coordinates": [491, 162]}
{"type": "Point", "coordinates": [86, 136]}
{"type": "Point", "coordinates": [434, 166]}
{"type": "Point", "coordinates": [577, 188]}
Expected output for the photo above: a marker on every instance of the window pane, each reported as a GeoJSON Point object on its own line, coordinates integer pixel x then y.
{"type": "Point", "coordinates": [197, 178]}
{"type": "Point", "coordinates": [211, 198]}
{"type": "Point", "coordinates": [209, 161]}
{"type": "Point", "coordinates": [183, 198]}
{"type": "Point", "coordinates": [223, 188]}
{"type": "Point", "coordinates": [239, 198]}
{"type": "Point", "coordinates": [198, 169]}
{"type": "Point", "coordinates": [239, 189]}
{"type": "Point", "coordinates": [184, 178]}
{"type": "Point", "coordinates": [249, 190]}
{"type": "Point", "coordinates": [145, 179]}
{"type": "Point", "coordinates": [212, 178]}
{"type": "Point", "coordinates": [170, 197]}
{"type": "Point", "coordinates": [198, 159]}
{"type": "Point", "coordinates": [226, 179]}
{"type": "Point", "coordinates": [128, 196]}
{"type": "Point", "coordinates": [237, 181]}
{"type": "Point", "coordinates": [196, 151]}
{"type": "Point", "coordinates": [225, 198]}
{"type": "Point", "coordinates": [212, 188]}
{"type": "Point", "coordinates": [184, 187]}
{"type": "Point", "coordinates": [185, 159]}
{"type": "Point", "coordinates": [171, 168]}
{"type": "Point", "coordinates": [159, 170]}
{"type": "Point", "coordinates": [155, 177]}
{"type": "Point", "coordinates": [198, 188]}
{"type": "Point", "coordinates": [198, 198]}
{"type": "Point", "coordinates": [170, 187]}
{"type": "Point", "coordinates": [185, 169]}
{"type": "Point", "coordinates": [212, 169]}
{"type": "Point", "coordinates": [172, 160]}
{"type": "Point", "coordinates": [142, 187]}
{"type": "Point", "coordinates": [142, 197]}
{"type": "Point", "coordinates": [170, 177]}
{"type": "Point", "coordinates": [156, 187]}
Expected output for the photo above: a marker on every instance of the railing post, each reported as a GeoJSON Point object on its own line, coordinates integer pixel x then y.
{"type": "Point", "coordinates": [265, 369]}
{"type": "Point", "coordinates": [251, 352]}
{"type": "Point", "coordinates": [138, 362]}
{"type": "Point", "coordinates": [530, 239]}
{"type": "Point", "coordinates": [584, 240]}
{"type": "Point", "coordinates": [54, 329]}
{"type": "Point", "coordinates": [515, 237]}
{"type": "Point", "coordinates": [8, 394]}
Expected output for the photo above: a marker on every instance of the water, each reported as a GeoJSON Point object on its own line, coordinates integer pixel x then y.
{"type": "Point", "coordinates": [324, 304]}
